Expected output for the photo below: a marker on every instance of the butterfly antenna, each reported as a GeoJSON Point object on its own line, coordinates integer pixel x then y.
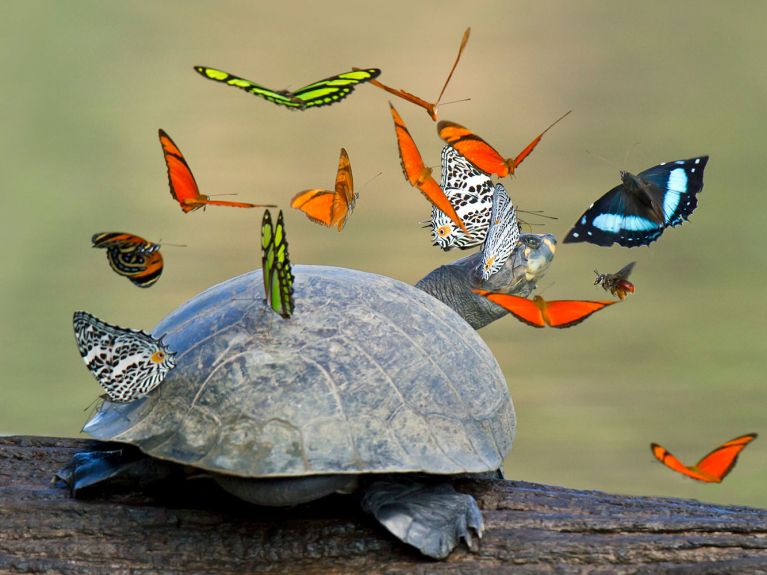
{"type": "Point", "coordinates": [464, 41]}
{"type": "Point", "coordinates": [371, 179]}
{"type": "Point", "coordinates": [595, 155]}
{"type": "Point", "coordinates": [174, 245]}
{"type": "Point", "coordinates": [630, 151]}
{"type": "Point", "coordinates": [216, 195]}
{"type": "Point", "coordinates": [456, 101]}
{"type": "Point", "coordinates": [91, 404]}
{"type": "Point", "coordinates": [538, 213]}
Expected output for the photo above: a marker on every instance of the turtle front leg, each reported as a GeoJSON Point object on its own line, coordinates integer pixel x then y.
{"type": "Point", "coordinates": [431, 517]}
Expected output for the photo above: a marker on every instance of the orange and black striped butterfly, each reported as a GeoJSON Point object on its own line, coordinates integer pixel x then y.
{"type": "Point", "coordinates": [540, 313]}
{"type": "Point", "coordinates": [131, 256]}
{"type": "Point", "coordinates": [431, 108]}
{"type": "Point", "coordinates": [713, 467]}
{"type": "Point", "coordinates": [618, 283]}
{"type": "Point", "coordinates": [326, 207]}
{"type": "Point", "coordinates": [418, 174]}
{"type": "Point", "coordinates": [183, 186]}
{"type": "Point", "coordinates": [483, 155]}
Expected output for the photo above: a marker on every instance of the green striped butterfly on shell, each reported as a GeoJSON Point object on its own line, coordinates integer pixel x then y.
{"type": "Point", "coordinates": [322, 93]}
{"type": "Point", "coordinates": [278, 276]}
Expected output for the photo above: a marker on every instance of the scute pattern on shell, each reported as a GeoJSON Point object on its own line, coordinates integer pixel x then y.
{"type": "Point", "coordinates": [369, 375]}
{"type": "Point", "coordinates": [124, 361]}
{"type": "Point", "coordinates": [471, 194]}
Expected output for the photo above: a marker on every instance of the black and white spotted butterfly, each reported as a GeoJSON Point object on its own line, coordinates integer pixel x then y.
{"type": "Point", "coordinates": [128, 363]}
{"type": "Point", "coordinates": [502, 233]}
{"type": "Point", "coordinates": [636, 212]}
{"type": "Point", "coordinates": [471, 194]}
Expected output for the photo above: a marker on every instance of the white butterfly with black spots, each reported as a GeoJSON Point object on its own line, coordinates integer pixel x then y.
{"type": "Point", "coordinates": [471, 194]}
{"type": "Point", "coordinates": [128, 363]}
{"type": "Point", "coordinates": [502, 233]}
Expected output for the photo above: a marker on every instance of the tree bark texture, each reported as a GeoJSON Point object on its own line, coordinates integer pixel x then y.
{"type": "Point", "coordinates": [195, 528]}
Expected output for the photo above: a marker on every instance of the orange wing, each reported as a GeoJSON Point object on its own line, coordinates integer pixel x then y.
{"type": "Point", "coordinates": [326, 207]}
{"type": "Point", "coordinates": [431, 108]}
{"type": "Point", "coordinates": [418, 174]}
{"type": "Point", "coordinates": [183, 186]}
{"type": "Point", "coordinates": [483, 155]}
{"type": "Point", "coordinates": [714, 467]}
{"type": "Point", "coordinates": [539, 313]}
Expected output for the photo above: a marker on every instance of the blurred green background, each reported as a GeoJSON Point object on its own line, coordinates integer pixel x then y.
{"type": "Point", "coordinates": [87, 84]}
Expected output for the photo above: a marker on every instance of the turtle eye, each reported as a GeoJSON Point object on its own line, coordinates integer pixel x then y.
{"type": "Point", "coordinates": [444, 231]}
{"type": "Point", "coordinates": [532, 242]}
{"type": "Point", "coordinates": [157, 357]}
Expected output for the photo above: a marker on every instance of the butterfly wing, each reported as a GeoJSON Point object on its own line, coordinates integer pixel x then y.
{"type": "Point", "coordinates": [282, 97]}
{"type": "Point", "coordinates": [473, 148]}
{"type": "Point", "coordinates": [721, 460]}
{"type": "Point", "coordinates": [678, 183]}
{"type": "Point", "coordinates": [183, 186]}
{"type": "Point", "coordinates": [670, 461]}
{"type": "Point", "coordinates": [276, 270]}
{"type": "Point", "coordinates": [470, 192]}
{"type": "Point", "coordinates": [523, 309]}
{"type": "Point", "coordinates": [128, 363]}
{"type": "Point", "coordinates": [636, 212]}
{"type": "Point", "coordinates": [502, 234]}
{"type": "Point", "coordinates": [418, 174]}
{"type": "Point", "coordinates": [131, 256]}
{"type": "Point", "coordinates": [531, 146]}
{"type": "Point", "coordinates": [567, 313]}
{"type": "Point", "coordinates": [333, 89]}
{"type": "Point", "coordinates": [431, 108]}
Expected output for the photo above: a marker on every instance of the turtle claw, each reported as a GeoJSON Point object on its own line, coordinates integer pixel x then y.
{"type": "Point", "coordinates": [432, 518]}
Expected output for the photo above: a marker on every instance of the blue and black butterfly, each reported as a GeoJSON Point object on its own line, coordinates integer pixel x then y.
{"type": "Point", "coordinates": [636, 212]}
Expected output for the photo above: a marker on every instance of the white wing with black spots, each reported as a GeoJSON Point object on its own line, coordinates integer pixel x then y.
{"type": "Point", "coordinates": [128, 363]}
{"type": "Point", "coordinates": [502, 234]}
{"type": "Point", "coordinates": [471, 194]}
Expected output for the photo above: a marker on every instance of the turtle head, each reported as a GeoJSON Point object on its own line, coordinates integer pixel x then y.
{"type": "Point", "coordinates": [527, 264]}
{"type": "Point", "coordinates": [453, 283]}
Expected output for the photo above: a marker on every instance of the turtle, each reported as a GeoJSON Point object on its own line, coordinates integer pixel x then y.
{"type": "Point", "coordinates": [373, 387]}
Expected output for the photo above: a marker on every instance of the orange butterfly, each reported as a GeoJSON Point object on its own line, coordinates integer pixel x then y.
{"type": "Point", "coordinates": [326, 207]}
{"type": "Point", "coordinates": [183, 187]}
{"type": "Point", "coordinates": [430, 108]}
{"type": "Point", "coordinates": [418, 174]}
{"type": "Point", "coordinates": [540, 313]}
{"type": "Point", "coordinates": [483, 155]}
{"type": "Point", "coordinates": [713, 467]}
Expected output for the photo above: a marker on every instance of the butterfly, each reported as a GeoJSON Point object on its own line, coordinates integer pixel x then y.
{"type": "Point", "coordinates": [131, 256]}
{"type": "Point", "coordinates": [183, 187]}
{"type": "Point", "coordinates": [418, 174]}
{"type": "Point", "coordinates": [470, 192]}
{"type": "Point", "coordinates": [714, 467]}
{"type": "Point", "coordinates": [276, 270]}
{"type": "Point", "coordinates": [483, 155]}
{"type": "Point", "coordinates": [322, 93]}
{"type": "Point", "coordinates": [431, 108]}
{"type": "Point", "coordinates": [502, 234]}
{"type": "Point", "coordinates": [540, 313]}
{"type": "Point", "coordinates": [326, 207]}
{"type": "Point", "coordinates": [617, 283]}
{"type": "Point", "coordinates": [128, 363]}
{"type": "Point", "coordinates": [636, 212]}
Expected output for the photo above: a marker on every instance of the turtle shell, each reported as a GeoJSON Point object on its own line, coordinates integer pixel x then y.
{"type": "Point", "coordinates": [369, 375]}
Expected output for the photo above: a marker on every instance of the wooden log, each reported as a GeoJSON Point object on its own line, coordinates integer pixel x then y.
{"type": "Point", "coordinates": [194, 528]}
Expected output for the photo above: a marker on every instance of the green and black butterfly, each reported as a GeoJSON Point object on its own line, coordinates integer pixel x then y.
{"type": "Point", "coordinates": [278, 277]}
{"type": "Point", "coordinates": [322, 93]}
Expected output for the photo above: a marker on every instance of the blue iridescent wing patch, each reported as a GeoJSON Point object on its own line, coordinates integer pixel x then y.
{"type": "Point", "coordinates": [636, 212]}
